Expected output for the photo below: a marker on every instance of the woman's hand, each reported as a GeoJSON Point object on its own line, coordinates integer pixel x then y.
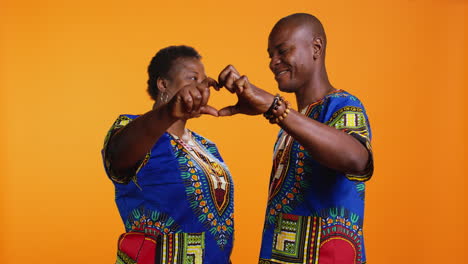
{"type": "Point", "coordinates": [251, 99]}
{"type": "Point", "coordinates": [191, 101]}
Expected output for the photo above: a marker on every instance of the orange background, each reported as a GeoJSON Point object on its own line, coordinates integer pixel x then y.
{"type": "Point", "coordinates": [68, 69]}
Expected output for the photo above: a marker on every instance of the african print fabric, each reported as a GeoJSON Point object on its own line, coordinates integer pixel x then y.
{"type": "Point", "coordinates": [135, 247]}
{"type": "Point", "coordinates": [315, 214]}
{"type": "Point", "coordinates": [177, 191]}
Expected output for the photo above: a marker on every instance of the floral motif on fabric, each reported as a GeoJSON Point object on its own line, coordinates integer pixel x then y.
{"type": "Point", "coordinates": [361, 189]}
{"type": "Point", "coordinates": [305, 239]}
{"type": "Point", "coordinates": [287, 180]}
{"type": "Point", "coordinates": [150, 222]}
{"type": "Point", "coordinates": [345, 229]}
{"type": "Point", "coordinates": [288, 173]}
{"type": "Point", "coordinates": [210, 196]}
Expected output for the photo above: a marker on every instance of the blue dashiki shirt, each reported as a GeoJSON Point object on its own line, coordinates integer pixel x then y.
{"type": "Point", "coordinates": [176, 204]}
{"type": "Point", "coordinates": [315, 214]}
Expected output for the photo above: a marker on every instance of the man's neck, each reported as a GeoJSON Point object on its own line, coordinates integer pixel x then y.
{"type": "Point", "coordinates": [313, 91]}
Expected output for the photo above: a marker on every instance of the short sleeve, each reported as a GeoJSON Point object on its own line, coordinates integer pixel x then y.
{"type": "Point", "coordinates": [347, 113]}
{"type": "Point", "coordinates": [123, 177]}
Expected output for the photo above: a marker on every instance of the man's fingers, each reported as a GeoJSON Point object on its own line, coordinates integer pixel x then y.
{"type": "Point", "coordinates": [222, 78]}
{"type": "Point", "coordinates": [230, 79]}
{"type": "Point", "coordinates": [222, 75]}
{"type": "Point", "coordinates": [229, 111]}
{"type": "Point", "coordinates": [209, 110]}
{"type": "Point", "coordinates": [241, 84]}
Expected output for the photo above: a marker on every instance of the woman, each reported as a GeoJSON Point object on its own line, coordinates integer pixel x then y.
{"type": "Point", "coordinates": [173, 190]}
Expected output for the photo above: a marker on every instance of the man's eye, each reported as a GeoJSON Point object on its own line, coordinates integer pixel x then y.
{"type": "Point", "coordinates": [194, 78]}
{"type": "Point", "coordinates": [282, 51]}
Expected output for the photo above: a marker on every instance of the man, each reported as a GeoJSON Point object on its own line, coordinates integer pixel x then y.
{"type": "Point", "coordinates": [322, 156]}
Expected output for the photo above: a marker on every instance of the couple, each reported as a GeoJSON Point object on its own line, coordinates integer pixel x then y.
{"type": "Point", "coordinates": [175, 194]}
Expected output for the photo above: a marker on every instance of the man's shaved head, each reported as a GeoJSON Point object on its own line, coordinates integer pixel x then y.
{"type": "Point", "coordinates": [302, 20]}
{"type": "Point", "coordinates": [296, 47]}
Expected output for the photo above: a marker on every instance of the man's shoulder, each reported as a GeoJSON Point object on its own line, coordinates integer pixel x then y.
{"type": "Point", "coordinates": [342, 95]}
{"type": "Point", "coordinates": [342, 98]}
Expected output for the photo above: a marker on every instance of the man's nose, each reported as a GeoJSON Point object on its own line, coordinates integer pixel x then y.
{"type": "Point", "coordinates": [275, 60]}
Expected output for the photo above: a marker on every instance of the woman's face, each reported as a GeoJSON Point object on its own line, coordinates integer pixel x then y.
{"type": "Point", "coordinates": [184, 71]}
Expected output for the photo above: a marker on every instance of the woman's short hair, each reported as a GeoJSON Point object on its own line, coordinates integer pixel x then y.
{"type": "Point", "coordinates": [162, 63]}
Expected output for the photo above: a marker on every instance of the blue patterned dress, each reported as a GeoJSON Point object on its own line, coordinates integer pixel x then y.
{"type": "Point", "coordinates": [315, 214]}
{"type": "Point", "coordinates": [176, 204]}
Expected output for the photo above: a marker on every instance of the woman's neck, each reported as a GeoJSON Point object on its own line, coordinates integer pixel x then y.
{"type": "Point", "coordinates": [178, 129]}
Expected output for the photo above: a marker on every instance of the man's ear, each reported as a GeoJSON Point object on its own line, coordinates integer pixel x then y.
{"type": "Point", "coordinates": [317, 45]}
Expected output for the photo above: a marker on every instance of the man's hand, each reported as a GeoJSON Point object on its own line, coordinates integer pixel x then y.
{"type": "Point", "coordinates": [251, 99]}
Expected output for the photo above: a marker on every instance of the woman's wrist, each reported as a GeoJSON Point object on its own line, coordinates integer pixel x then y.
{"type": "Point", "coordinates": [160, 117]}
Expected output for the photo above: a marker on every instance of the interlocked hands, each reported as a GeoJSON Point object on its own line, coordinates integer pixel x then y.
{"type": "Point", "coordinates": [191, 101]}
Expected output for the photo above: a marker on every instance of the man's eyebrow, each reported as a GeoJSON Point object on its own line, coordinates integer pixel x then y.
{"type": "Point", "coordinates": [276, 47]}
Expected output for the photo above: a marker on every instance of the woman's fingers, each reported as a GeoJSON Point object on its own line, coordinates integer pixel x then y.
{"type": "Point", "coordinates": [196, 99]}
{"type": "Point", "coordinates": [204, 89]}
{"type": "Point", "coordinates": [186, 99]}
{"type": "Point", "coordinates": [210, 82]}
{"type": "Point", "coordinates": [209, 110]}
{"type": "Point", "coordinates": [193, 99]}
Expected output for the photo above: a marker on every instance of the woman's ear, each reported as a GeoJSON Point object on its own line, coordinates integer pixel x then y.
{"type": "Point", "coordinates": [161, 83]}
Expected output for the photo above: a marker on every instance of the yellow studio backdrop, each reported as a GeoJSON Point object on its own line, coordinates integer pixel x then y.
{"type": "Point", "coordinates": [69, 68]}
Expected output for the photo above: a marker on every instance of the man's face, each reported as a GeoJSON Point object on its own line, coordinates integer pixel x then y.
{"type": "Point", "coordinates": [291, 56]}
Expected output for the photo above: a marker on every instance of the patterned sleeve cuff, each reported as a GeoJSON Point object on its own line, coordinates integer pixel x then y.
{"type": "Point", "coordinates": [352, 120]}
{"type": "Point", "coordinates": [123, 177]}
{"type": "Point", "coordinates": [368, 171]}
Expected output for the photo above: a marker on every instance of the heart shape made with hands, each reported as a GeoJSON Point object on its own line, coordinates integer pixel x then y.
{"type": "Point", "coordinates": [251, 99]}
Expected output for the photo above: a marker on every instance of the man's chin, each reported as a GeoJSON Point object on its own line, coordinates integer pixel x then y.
{"type": "Point", "coordinates": [287, 88]}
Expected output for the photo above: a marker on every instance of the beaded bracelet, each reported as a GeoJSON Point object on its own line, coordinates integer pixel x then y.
{"type": "Point", "coordinates": [271, 114]}
{"type": "Point", "coordinates": [277, 119]}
